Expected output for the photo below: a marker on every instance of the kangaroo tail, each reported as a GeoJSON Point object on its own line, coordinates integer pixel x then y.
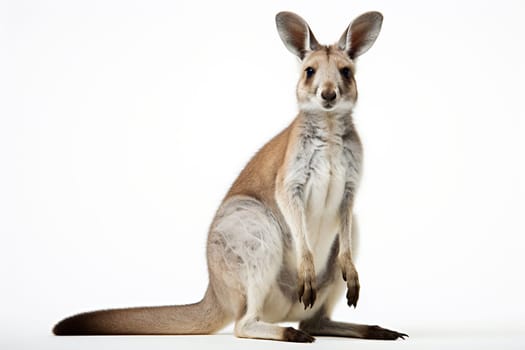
{"type": "Point", "coordinates": [204, 317]}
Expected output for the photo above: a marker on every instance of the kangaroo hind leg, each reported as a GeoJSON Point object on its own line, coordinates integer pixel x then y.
{"type": "Point", "coordinates": [325, 327]}
{"type": "Point", "coordinates": [251, 327]}
{"type": "Point", "coordinates": [245, 253]}
{"type": "Point", "coordinates": [250, 324]}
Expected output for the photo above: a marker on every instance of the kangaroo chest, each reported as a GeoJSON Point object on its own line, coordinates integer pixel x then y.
{"type": "Point", "coordinates": [329, 163]}
{"type": "Point", "coordinates": [324, 189]}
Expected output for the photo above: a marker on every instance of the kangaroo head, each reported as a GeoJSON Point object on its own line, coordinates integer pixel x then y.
{"type": "Point", "coordinates": [327, 82]}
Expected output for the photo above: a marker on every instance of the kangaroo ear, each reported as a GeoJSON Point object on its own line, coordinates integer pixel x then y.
{"type": "Point", "coordinates": [295, 33]}
{"type": "Point", "coordinates": [361, 34]}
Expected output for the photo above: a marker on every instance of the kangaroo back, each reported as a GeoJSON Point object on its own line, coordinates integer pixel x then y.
{"type": "Point", "coordinates": [204, 317]}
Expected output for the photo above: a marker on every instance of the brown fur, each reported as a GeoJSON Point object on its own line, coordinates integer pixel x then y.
{"type": "Point", "coordinates": [261, 184]}
{"type": "Point", "coordinates": [203, 317]}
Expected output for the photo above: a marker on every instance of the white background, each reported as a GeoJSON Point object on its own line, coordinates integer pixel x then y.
{"type": "Point", "coordinates": [123, 124]}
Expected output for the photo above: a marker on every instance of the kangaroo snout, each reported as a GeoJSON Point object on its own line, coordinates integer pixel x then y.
{"type": "Point", "coordinates": [329, 95]}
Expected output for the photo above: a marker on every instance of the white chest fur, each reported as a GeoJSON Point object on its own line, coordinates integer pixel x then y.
{"type": "Point", "coordinates": [323, 193]}
{"type": "Point", "coordinates": [328, 163]}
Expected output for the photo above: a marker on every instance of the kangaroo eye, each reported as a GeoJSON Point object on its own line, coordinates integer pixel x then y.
{"type": "Point", "coordinates": [345, 72]}
{"type": "Point", "coordinates": [309, 72]}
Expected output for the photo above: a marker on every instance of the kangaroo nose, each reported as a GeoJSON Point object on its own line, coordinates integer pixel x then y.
{"type": "Point", "coordinates": [328, 95]}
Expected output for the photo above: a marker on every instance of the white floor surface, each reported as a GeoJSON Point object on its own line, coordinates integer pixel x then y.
{"type": "Point", "coordinates": [478, 341]}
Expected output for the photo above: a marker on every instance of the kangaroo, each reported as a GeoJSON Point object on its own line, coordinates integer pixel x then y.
{"type": "Point", "coordinates": [280, 247]}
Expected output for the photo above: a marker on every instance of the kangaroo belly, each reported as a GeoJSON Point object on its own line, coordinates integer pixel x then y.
{"type": "Point", "coordinates": [282, 303]}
